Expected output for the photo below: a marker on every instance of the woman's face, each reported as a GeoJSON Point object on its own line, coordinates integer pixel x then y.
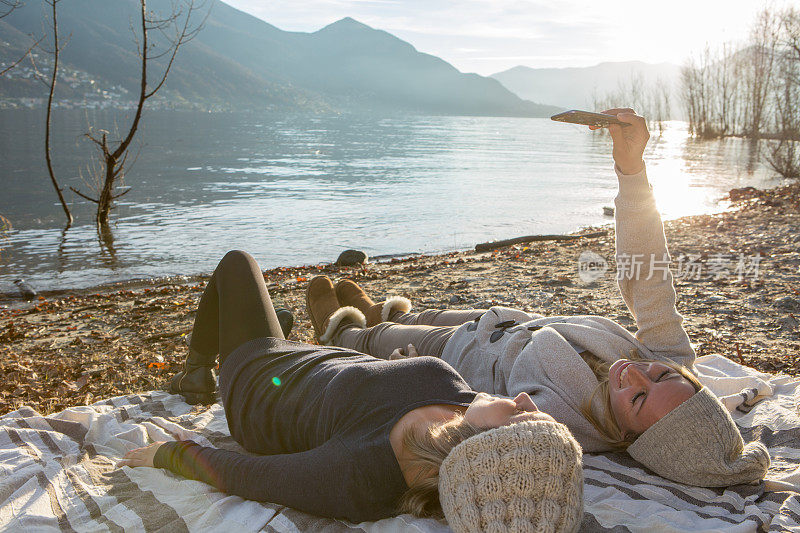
{"type": "Point", "coordinates": [643, 392]}
{"type": "Point", "coordinates": [487, 411]}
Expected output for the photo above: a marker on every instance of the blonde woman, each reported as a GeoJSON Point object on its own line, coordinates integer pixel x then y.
{"type": "Point", "coordinates": [346, 435]}
{"type": "Point", "coordinates": [613, 389]}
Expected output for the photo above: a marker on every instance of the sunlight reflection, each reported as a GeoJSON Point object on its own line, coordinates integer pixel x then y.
{"type": "Point", "coordinates": [686, 174]}
{"type": "Point", "coordinates": [672, 184]}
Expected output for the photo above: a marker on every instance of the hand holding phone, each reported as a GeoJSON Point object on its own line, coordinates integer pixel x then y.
{"type": "Point", "coordinates": [587, 118]}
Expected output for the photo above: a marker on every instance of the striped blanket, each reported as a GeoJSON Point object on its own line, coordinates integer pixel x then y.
{"type": "Point", "coordinates": [58, 472]}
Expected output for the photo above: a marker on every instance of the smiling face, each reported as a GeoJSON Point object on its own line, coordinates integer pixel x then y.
{"type": "Point", "coordinates": [487, 411]}
{"type": "Point", "coordinates": [642, 392]}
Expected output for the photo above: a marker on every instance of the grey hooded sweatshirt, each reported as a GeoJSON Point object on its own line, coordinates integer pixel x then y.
{"type": "Point", "coordinates": [509, 351]}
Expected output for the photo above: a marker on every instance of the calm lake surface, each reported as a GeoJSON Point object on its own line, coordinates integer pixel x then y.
{"type": "Point", "coordinates": [299, 189]}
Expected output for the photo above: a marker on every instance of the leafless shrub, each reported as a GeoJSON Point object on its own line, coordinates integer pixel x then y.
{"type": "Point", "coordinates": [176, 29]}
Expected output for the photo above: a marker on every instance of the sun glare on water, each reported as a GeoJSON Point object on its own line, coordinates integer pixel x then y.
{"type": "Point", "coordinates": [666, 170]}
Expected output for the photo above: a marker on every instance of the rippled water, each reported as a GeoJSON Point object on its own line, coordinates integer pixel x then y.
{"type": "Point", "coordinates": [294, 189]}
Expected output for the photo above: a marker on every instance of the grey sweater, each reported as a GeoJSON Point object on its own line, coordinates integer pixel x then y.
{"type": "Point", "coordinates": [509, 351]}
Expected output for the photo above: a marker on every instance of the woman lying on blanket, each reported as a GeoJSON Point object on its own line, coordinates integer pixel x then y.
{"type": "Point", "coordinates": [612, 389]}
{"type": "Point", "coordinates": [348, 435]}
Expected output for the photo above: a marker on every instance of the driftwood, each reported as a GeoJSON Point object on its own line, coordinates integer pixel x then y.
{"type": "Point", "coordinates": [489, 246]}
{"type": "Point", "coordinates": [168, 334]}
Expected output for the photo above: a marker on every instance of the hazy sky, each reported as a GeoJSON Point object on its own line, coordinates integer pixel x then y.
{"type": "Point", "coordinates": [487, 36]}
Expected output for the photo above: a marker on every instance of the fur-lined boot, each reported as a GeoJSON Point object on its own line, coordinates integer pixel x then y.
{"type": "Point", "coordinates": [349, 293]}
{"type": "Point", "coordinates": [326, 314]}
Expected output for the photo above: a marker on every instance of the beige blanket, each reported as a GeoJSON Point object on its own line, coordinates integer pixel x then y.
{"type": "Point", "coordinates": [57, 472]}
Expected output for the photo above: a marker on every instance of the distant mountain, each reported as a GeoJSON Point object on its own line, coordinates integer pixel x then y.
{"type": "Point", "coordinates": [240, 61]}
{"type": "Point", "coordinates": [576, 87]}
{"type": "Point", "coordinates": [100, 43]}
{"type": "Point", "coordinates": [390, 72]}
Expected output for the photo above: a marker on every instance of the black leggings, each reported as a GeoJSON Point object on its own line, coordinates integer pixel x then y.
{"type": "Point", "coordinates": [234, 309]}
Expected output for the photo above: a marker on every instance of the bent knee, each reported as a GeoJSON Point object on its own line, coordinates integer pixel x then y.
{"type": "Point", "coordinates": [235, 256]}
{"type": "Point", "coordinates": [237, 259]}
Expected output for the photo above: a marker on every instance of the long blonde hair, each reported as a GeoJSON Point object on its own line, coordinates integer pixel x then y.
{"type": "Point", "coordinates": [607, 425]}
{"type": "Point", "coordinates": [428, 450]}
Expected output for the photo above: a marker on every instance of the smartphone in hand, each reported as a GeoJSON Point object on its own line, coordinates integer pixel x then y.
{"type": "Point", "coordinates": [587, 118]}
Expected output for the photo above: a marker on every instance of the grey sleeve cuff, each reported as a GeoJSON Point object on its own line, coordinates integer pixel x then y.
{"type": "Point", "coordinates": [633, 188]}
{"type": "Point", "coordinates": [164, 457]}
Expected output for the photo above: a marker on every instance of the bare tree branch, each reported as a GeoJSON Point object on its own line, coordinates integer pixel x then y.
{"type": "Point", "coordinates": [10, 5]}
{"type": "Point", "coordinates": [94, 139]}
{"type": "Point", "coordinates": [186, 34]}
{"type": "Point", "coordinates": [21, 59]}
{"type": "Point", "coordinates": [114, 159]}
{"type": "Point", "coordinates": [123, 193]}
{"type": "Point", "coordinates": [79, 193]}
{"type": "Point", "coordinates": [56, 50]}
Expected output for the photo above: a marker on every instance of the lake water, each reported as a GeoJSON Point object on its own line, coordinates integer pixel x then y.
{"type": "Point", "coordinates": [299, 189]}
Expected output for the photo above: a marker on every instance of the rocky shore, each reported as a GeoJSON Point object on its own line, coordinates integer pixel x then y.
{"type": "Point", "coordinates": [737, 276]}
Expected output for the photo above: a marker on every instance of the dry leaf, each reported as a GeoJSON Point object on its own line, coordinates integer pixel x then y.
{"type": "Point", "coordinates": [82, 381]}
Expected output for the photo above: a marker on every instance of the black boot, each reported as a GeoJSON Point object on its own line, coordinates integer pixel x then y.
{"type": "Point", "coordinates": [286, 320]}
{"type": "Point", "coordinates": [196, 382]}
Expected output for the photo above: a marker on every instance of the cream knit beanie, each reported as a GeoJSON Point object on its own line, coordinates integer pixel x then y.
{"type": "Point", "coordinates": [697, 443]}
{"type": "Point", "coordinates": [526, 477]}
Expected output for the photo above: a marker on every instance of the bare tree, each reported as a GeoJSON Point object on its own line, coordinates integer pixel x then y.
{"type": "Point", "coordinates": [752, 91]}
{"type": "Point", "coordinates": [757, 75]}
{"type": "Point", "coordinates": [177, 29]}
{"type": "Point", "coordinates": [649, 99]}
{"type": "Point", "coordinates": [665, 99]}
{"type": "Point", "coordinates": [5, 225]}
{"type": "Point", "coordinates": [725, 85]}
{"type": "Point", "coordinates": [708, 128]}
{"type": "Point", "coordinates": [52, 85]}
{"type": "Point", "coordinates": [791, 28]}
{"type": "Point", "coordinates": [784, 155]}
{"type": "Point", "coordinates": [696, 89]}
{"type": "Point", "coordinates": [688, 93]}
{"type": "Point", "coordinates": [6, 7]}
{"type": "Point", "coordinates": [657, 102]}
{"type": "Point", "coordinates": [711, 92]}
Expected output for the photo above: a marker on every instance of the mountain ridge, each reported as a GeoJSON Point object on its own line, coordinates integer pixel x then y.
{"type": "Point", "coordinates": [577, 87]}
{"type": "Point", "coordinates": [242, 61]}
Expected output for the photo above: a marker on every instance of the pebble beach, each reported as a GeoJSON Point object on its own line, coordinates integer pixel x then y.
{"type": "Point", "coordinates": [737, 276]}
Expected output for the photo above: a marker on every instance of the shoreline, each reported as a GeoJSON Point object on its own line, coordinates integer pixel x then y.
{"type": "Point", "coordinates": [13, 300]}
{"type": "Point", "coordinates": [86, 344]}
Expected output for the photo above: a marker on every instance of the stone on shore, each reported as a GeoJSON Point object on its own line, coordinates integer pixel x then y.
{"type": "Point", "coordinates": [743, 193]}
{"type": "Point", "coordinates": [351, 258]}
{"type": "Point", "coordinates": [788, 303]}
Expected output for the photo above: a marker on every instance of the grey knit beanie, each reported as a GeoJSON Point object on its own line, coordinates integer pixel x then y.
{"type": "Point", "coordinates": [526, 477]}
{"type": "Point", "coordinates": [697, 443]}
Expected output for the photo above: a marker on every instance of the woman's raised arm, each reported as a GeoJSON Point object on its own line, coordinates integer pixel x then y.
{"type": "Point", "coordinates": [643, 274]}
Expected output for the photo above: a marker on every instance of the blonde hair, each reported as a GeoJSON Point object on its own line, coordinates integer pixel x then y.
{"type": "Point", "coordinates": [429, 449]}
{"type": "Point", "coordinates": [607, 425]}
